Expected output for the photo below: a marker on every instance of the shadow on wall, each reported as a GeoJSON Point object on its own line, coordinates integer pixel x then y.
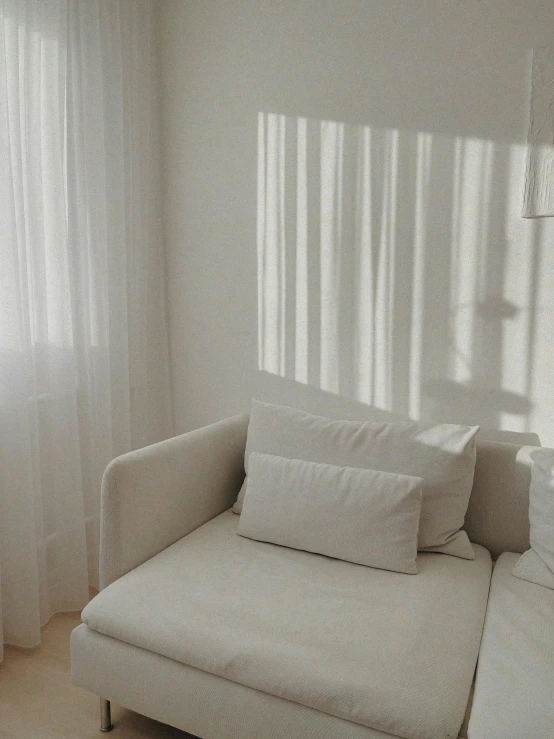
{"type": "Point", "coordinates": [394, 269]}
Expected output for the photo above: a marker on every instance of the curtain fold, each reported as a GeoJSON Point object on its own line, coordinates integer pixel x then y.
{"type": "Point", "coordinates": [83, 342]}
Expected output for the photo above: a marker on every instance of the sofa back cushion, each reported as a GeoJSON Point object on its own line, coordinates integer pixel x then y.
{"type": "Point", "coordinates": [361, 516]}
{"type": "Point", "coordinates": [443, 455]}
{"type": "Point", "coordinates": [537, 563]}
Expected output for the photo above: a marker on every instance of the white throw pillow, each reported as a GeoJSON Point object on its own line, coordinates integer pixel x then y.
{"type": "Point", "coordinates": [537, 563]}
{"type": "Point", "coordinates": [442, 454]}
{"type": "Point", "coordinates": [362, 516]}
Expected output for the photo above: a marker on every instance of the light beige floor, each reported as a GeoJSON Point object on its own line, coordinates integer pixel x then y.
{"type": "Point", "coordinates": [38, 701]}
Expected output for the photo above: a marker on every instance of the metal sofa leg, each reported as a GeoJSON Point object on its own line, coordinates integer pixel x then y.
{"type": "Point", "coordinates": [105, 715]}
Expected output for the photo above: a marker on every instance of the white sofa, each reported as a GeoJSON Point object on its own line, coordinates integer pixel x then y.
{"type": "Point", "coordinates": [230, 638]}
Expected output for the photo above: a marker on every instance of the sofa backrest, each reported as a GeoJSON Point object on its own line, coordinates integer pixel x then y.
{"type": "Point", "coordinates": [498, 513]}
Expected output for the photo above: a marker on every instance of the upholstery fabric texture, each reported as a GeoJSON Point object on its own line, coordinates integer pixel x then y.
{"type": "Point", "coordinates": [361, 516]}
{"type": "Point", "coordinates": [205, 705]}
{"type": "Point", "coordinates": [498, 513]}
{"type": "Point", "coordinates": [514, 688]}
{"type": "Point", "coordinates": [532, 568]}
{"type": "Point", "coordinates": [389, 651]}
{"type": "Point", "coordinates": [443, 455]}
{"type": "Point", "coordinates": [154, 496]}
{"type": "Point", "coordinates": [537, 564]}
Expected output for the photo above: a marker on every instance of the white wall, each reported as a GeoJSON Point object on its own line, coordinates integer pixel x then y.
{"type": "Point", "coordinates": [343, 188]}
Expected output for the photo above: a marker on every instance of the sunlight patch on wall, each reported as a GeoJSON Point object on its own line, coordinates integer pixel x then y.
{"type": "Point", "coordinates": [391, 268]}
{"type": "Point", "coordinates": [424, 144]}
{"type": "Point", "coordinates": [301, 295]}
{"type": "Point", "coordinates": [471, 189]}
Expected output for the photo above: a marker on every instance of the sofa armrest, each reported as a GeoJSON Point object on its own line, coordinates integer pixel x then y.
{"type": "Point", "coordinates": [154, 496]}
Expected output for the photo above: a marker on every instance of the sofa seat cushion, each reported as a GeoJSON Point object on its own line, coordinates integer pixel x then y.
{"type": "Point", "coordinates": [389, 651]}
{"type": "Point", "coordinates": [514, 689]}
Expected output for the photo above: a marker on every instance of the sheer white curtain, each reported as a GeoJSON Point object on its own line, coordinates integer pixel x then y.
{"type": "Point", "coordinates": [83, 342]}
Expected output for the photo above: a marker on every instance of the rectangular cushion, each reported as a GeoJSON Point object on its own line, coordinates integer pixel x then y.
{"type": "Point", "coordinates": [537, 564]}
{"type": "Point", "coordinates": [442, 454]}
{"type": "Point", "coordinates": [195, 701]}
{"type": "Point", "coordinates": [361, 516]}
{"type": "Point", "coordinates": [514, 688]}
{"type": "Point", "coordinates": [389, 651]}
{"type": "Point", "coordinates": [498, 512]}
